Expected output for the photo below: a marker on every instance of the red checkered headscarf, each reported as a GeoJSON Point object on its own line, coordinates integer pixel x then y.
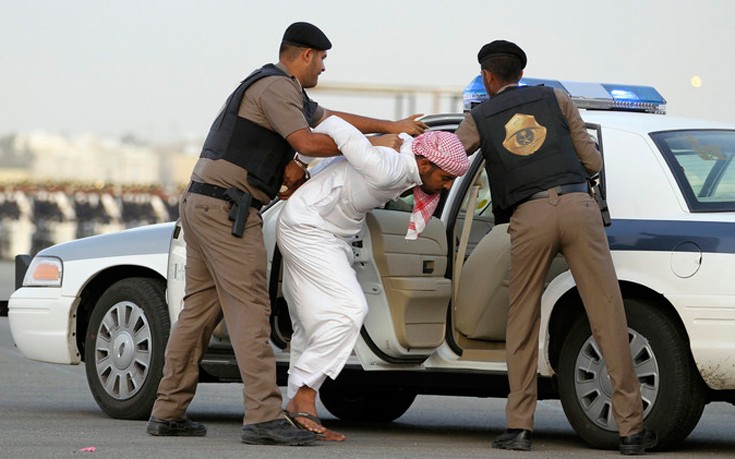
{"type": "Point", "coordinates": [445, 150]}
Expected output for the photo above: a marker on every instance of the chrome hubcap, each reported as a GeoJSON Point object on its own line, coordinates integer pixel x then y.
{"type": "Point", "coordinates": [123, 350]}
{"type": "Point", "coordinates": [594, 388]}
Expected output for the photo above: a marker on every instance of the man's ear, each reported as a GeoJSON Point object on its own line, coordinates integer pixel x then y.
{"type": "Point", "coordinates": [307, 54]}
{"type": "Point", "coordinates": [486, 76]}
{"type": "Point", "coordinates": [424, 164]}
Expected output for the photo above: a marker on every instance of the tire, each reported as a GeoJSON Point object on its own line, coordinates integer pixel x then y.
{"type": "Point", "coordinates": [124, 347]}
{"type": "Point", "coordinates": [353, 403]}
{"type": "Point", "coordinates": [673, 392]}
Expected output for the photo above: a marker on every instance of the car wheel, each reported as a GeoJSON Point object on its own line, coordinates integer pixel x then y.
{"type": "Point", "coordinates": [352, 403]}
{"type": "Point", "coordinates": [672, 390]}
{"type": "Point", "coordinates": [124, 347]}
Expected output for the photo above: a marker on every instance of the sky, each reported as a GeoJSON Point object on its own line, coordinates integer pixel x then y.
{"type": "Point", "coordinates": [161, 69]}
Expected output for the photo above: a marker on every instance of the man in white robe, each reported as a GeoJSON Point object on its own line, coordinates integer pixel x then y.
{"type": "Point", "coordinates": [325, 300]}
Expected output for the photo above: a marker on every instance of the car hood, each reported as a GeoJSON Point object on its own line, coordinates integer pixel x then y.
{"type": "Point", "coordinates": [145, 240]}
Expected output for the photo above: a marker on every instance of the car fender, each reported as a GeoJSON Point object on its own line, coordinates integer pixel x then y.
{"type": "Point", "coordinates": [705, 312]}
{"type": "Point", "coordinates": [630, 267]}
{"type": "Point", "coordinates": [560, 285]}
{"type": "Point", "coordinates": [146, 247]}
{"type": "Point", "coordinates": [43, 319]}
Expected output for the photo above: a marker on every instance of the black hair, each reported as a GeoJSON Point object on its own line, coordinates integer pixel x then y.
{"type": "Point", "coordinates": [505, 67]}
{"type": "Point", "coordinates": [289, 51]}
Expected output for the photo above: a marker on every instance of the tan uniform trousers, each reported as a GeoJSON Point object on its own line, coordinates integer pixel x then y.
{"type": "Point", "coordinates": [539, 230]}
{"type": "Point", "coordinates": [225, 275]}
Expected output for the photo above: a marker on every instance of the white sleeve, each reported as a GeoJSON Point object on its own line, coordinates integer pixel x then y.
{"type": "Point", "coordinates": [375, 163]}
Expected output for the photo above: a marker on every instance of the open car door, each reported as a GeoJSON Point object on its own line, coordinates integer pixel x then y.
{"type": "Point", "coordinates": [405, 287]}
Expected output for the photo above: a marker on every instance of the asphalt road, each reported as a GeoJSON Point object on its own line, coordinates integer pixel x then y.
{"type": "Point", "coordinates": [47, 411]}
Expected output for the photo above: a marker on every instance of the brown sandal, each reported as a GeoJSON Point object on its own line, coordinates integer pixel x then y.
{"type": "Point", "coordinates": [327, 435]}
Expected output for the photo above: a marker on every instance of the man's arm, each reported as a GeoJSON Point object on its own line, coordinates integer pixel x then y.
{"type": "Point", "coordinates": [312, 144]}
{"type": "Point", "coordinates": [468, 134]}
{"type": "Point", "coordinates": [374, 163]}
{"type": "Point", "coordinates": [318, 145]}
{"type": "Point", "coordinates": [585, 147]}
{"type": "Point", "coordinates": [386, 140]}
{"type": "Point", "coordinates": [368, 125]}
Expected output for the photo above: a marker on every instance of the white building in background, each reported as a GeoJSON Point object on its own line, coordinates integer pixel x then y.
{"type": "Point", "coordinates": [56, 188]}
{"type": "Point", "coordinates": [93, 159]}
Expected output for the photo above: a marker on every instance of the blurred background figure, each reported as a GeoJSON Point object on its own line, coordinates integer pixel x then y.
{"type": "Point", "coordinates": [53, 216]}
{"type": "Point", "coordinates": [16, 227]}
{"type": "Point", "coordinates": [34, 216]}
{"type": "Point", "coordinates": [143, 206]}
{"type": "Point", "coordinates": [97, 211]}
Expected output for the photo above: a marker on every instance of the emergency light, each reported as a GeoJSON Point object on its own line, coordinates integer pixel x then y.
{"type": "Point", "coordinates": [591, 96]}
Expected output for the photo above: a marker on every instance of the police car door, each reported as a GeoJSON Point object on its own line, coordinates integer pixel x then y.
{"type": "Point", "coordinates": [404, 285]}
{"type": "Point", "coordinates": [597, 183]}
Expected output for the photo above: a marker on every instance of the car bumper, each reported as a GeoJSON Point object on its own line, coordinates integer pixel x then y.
{"type": "Point", "coordinates": [41, 325]}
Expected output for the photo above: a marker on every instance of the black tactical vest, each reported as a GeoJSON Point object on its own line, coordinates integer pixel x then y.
{"type": "Point", "coordinates": [526, 144]}
{"type": "Point", "coordinates": [260, 151]}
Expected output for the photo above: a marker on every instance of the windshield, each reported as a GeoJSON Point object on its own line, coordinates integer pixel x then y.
{"type": "Point", "coordinates": [702, 163]}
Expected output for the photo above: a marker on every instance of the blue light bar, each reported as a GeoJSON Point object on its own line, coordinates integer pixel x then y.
{"type": "Point", "coordinates": [474, 93]}
{"type": "Point", "coordinates": [591, 96]}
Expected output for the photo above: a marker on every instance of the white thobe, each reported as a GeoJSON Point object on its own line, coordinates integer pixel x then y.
{"type": "Point", "coordinates": [325, 300]}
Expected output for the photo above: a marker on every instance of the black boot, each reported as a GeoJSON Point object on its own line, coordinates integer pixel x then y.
{"type": "Point", "coordinates": [637, 444]}
{"type": "Point", "coordinates": [519, 439]}
{"type": "Point", "coordinates": [175, 428]}
{"type": "Point", "coordinates": [276, 432]}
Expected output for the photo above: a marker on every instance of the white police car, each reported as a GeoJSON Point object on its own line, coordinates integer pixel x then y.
{"type": "Point", "coordinates": [438, 305]}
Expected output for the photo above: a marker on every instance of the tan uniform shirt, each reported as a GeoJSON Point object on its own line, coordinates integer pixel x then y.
{"type": "Point", "coordinates": [275, 103]}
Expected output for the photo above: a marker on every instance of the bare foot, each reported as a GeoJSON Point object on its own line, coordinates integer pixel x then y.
{"type": "Point", "coordinates": [302, 411]}
{"type": "Point", "coordinates": [312, 423]}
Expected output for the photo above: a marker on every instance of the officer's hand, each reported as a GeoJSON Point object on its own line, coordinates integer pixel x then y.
{"type": "Point", "coordinates": [410, 125]}
{"type": "Point", "coordinates": [386, 140]}
{"type": "Point", "coordinates": [293, 177]}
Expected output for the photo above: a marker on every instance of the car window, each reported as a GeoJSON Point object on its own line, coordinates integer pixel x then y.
{"type": "Point", "coordinates": [483, 207]}
{"type": "Point", "coordinates": [701, 161]}
{"type": "Point", "coordinates": [403, 203]}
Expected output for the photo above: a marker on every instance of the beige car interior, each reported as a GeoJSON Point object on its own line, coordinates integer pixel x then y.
{"type": "Point", "coordinates": [481, 307]}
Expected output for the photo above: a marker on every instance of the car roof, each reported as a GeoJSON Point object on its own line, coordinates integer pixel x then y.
{"type": "Point", "coordinates": [644, 123]}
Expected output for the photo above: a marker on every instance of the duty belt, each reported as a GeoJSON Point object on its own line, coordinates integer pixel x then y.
{"type": "Point", "coordinates": [560, 189]}
{"type": "Point", "coordinates": [241, 201]}
{"type": "Point", "coordinates": [214, 191]}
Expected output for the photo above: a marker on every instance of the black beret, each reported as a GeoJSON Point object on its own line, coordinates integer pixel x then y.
{"type": "Point", "coordinates": [306, 35]}
{"type": "Point", "coordinates": [502, 48]}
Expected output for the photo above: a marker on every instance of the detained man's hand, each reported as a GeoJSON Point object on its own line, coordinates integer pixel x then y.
{"type": "Point", "coordinates": [293, 177]}
{"type": "Point", "coordinates": [386, 140]}
{"type": "Point", "coordinates": [410, 125]}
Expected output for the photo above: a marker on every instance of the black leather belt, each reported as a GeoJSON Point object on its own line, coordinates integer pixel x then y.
{"type": "Point", "coordinates": [560, 189]}
{"type": "Point", "coordinates": [214, 191]}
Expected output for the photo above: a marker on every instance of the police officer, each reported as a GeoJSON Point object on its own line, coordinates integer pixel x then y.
{"type": "Point", "coordinates": [250, 145]}
{"type": "Point", "coordinates": [538, 157]}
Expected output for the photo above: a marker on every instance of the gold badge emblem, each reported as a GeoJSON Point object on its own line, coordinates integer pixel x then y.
{"type": "Point", "coordinates": [523, 135]}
